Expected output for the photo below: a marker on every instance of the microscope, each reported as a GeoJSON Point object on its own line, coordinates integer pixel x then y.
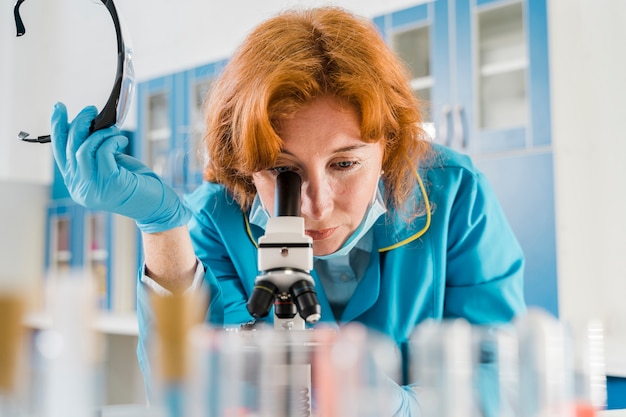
{"type": "Point", "coordinates": [285, 259]}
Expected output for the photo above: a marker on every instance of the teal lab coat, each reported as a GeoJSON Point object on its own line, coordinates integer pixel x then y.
{"type": "Point", "coordinates": [467, 263]}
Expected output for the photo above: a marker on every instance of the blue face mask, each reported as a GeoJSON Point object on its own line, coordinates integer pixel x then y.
{"type": "Point", "coordinates": [374, 211]}
{"type": "Point", "coordinates": [259, 216]}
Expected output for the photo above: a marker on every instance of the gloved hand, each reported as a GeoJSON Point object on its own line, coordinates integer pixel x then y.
{"type": "Point", "coordinates": [98, 176]}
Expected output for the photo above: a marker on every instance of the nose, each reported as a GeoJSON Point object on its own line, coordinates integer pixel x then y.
{"type": "Point", "coordinates": [316, 198]}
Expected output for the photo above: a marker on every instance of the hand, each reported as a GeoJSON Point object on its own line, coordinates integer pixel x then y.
{"type": "Point", "coordinates": [98, 176]}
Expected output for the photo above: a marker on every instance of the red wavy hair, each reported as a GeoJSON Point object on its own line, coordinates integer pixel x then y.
{"type": "Point", "coordinates": [285, 63]}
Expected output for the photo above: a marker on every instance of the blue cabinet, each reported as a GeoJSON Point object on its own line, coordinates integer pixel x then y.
{"type": "Point", "coordinates": [156, 124]}
{"type": "Point", "coordinates": [170, 124]}
{"type": "Point", "coordinates": [481, 69]}
{"type": "Point", "coordinates": [82, 242]}
{"type": "Point", "coordinates": [79, 242]}
{"type": "Point", "coordinates": [616, 393]}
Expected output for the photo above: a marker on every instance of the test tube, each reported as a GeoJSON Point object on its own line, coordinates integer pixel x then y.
{"type": "Point", "coordinates": [69, 350]}
{"type": "Point", "coordinates": [215, 357]}
{"type": "Point", "coordinates": [442, 364]}
{"type": "Point", "coordinates": [355, 371]}
{"type": "Point", "coordinates": [296, 373]}
{"type": "Point", "coordinates": [175, 315]}
{"type": "Point", "coordinates": [589, 368]}
{"type": "Point", "coordinates": [251, 373]}
{"type": "Point", "coordinates": [286, 374]}
{"type": "Point", "coordinates": [545, 366]}
{"type": "Point", "coordinates": [496, 370]}
{"type": "Point", "coordinates": [12, 306]}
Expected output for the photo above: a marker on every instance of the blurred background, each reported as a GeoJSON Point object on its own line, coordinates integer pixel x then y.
{"type": "Point", "coordinates": [533, 90]}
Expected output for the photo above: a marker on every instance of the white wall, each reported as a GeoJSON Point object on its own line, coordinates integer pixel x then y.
{"type": "Point", "coordinates": [588, 83]}
{"type": "Point", "coordinates": [22, 226]}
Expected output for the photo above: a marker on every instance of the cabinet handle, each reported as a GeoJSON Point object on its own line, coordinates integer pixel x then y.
{"type": "Point", "coordinates": [178, 167]}
{"type": "Point", "coordinates": [442, 136]}
{"type": "Point", "coordinates": [457, 123]}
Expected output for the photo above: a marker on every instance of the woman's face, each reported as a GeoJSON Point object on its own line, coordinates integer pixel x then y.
{"type": "Point", "coordinates": [340, 172]}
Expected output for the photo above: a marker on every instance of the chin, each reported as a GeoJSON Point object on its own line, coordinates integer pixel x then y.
{"type": "Point", "coordinates": [324, 249]}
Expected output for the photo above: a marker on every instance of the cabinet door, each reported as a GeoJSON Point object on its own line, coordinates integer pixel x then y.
{"type": "Point", "coordinates": [500, 66]}
{"type": "Point", "coordinates": [489, 97]}
{"type": "Point", "coordinates": [410, 34]}
{"type": "Point", "coordinates": [79, 242]}
{"type": "Point", "coordinates": [155, 125]}
{"type": "Point", "coordinates": [198, 82]}
{"type": "Point", "coordinates": [98, 239]}
{"type": "Point", "coordinates": [61, 238]}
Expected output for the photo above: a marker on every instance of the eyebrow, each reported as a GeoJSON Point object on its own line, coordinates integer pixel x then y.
{"type": "Point", "coordinates": [339, 150]}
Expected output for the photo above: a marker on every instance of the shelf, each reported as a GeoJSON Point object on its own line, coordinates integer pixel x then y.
{"type": "Point", "coordinates": [499, 68]}
{"type": "Point", "coordinates": [159, 134]}
{"type": "Point", "coordinates": [62, 256]}
{"type": "Point", "coordinates": [104, 322]}
{"type": "Point", "coordinates": [612, 413]}
{"type": "Point", "coordinates": [421, 83]}
{"type": "Point", "coordinates": [116, 323]}
{"type": "Point", "coordinates": [98, 255]}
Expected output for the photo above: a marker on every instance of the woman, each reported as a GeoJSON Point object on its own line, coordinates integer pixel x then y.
{"type": "Point", "coordinates": [402, 230]}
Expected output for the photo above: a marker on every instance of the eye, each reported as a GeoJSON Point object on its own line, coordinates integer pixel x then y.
{"type": "Point", "coordinates": [279, 169]}
{"type": "Point", "coordinates": [346, 165]}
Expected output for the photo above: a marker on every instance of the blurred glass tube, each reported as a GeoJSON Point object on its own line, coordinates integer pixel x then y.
{"type": "Point", "coordinates": [353, 372]}
{"type": "Point", "coordinates": [268, 373]}
{"type": "Point", "coordinates": [442, 364]}
{"type": "Point", "coordinates": [173, 318]}
{"type": "Point", "coordinates": [496, 371]}
{"type": "Point", "coordinates": [70, 350]}
{"type": "Point", "coordinates": [589, 367]}
{"type": "Point", "coordinates": [597, 364]}
{"type": "Point", "coordinates": [546, 372]}
{"type": "Point", "coordinates": [12, 307]}
{"type": "Point", "coordinates": [244, 373]}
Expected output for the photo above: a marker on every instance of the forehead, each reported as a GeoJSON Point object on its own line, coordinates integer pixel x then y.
{"type": "Point", "coordinates": [325, 119]}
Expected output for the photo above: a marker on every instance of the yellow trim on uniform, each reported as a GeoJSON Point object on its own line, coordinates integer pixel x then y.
{"type": "Point", "coordinates": [388, 248]}
{"type": "Point", "coordinates": [249, 232]}
{"type": "Point", "coordinates": [426, 226]}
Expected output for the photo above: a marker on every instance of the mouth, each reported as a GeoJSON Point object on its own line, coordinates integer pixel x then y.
{"type": "Point", "coordinates": [320, 234]}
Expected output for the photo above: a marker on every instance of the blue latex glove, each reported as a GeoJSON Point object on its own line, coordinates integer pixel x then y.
{"type": "Point", "coordinates": [98, 176]}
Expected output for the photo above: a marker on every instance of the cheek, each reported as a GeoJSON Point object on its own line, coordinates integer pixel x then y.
{"type": "Point", "coordinates": [355, 195]}
{"type": "Point", "coordinates": [265, 188]}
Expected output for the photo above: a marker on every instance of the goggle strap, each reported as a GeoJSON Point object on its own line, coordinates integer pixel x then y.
{"type": "Point", "coordinates": [23, 136]}
{"type": "Point", "coordinates": [19, 24]}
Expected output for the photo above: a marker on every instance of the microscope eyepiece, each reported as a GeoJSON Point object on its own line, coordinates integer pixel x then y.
{"type": "Point", "coordinates": [287, 194]}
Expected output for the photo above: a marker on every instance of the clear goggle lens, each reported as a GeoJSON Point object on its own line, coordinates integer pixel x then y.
{"type": "Point", "coordinates": [117, 107]}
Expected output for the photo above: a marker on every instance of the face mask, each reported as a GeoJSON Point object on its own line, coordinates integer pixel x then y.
{"type": "Point", "coordinates": [374, 211]}
{"type": "Point", "coordinates": [259, 216]}
{"type": "Point", "coordinates": [258, 213]}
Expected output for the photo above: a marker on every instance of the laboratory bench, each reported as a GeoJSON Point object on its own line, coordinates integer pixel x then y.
{"type": "Point", "coordinates": [136, 410]}
{"type": "Point", "coordinates": [119, 334]}
{"type": "Point", "coordinates": [105, 322]}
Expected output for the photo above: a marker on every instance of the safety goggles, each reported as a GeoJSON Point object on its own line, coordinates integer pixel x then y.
{"type": "Point", "coordinates": [116, 108]}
